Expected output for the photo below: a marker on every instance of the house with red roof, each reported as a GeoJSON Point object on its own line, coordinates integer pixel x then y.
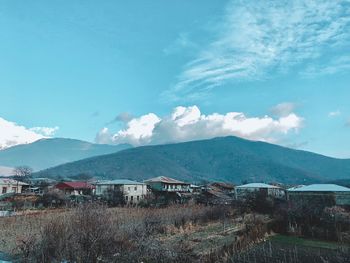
{"type": "Point", "coordinates": [76, 188]}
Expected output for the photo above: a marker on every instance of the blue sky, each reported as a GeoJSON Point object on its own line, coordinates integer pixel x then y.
{"type": "Point", "coordinates": [118, 71]}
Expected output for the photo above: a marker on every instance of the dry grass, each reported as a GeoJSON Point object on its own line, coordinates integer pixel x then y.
{"type": "Point", "coordinates": [99, 230]}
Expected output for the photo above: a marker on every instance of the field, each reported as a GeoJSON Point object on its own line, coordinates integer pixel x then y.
{"type": "Point", "coordinates": [286, 249]}
{"type": "Point", "coordinates": [100, 232]}
{"type": "Point", "coordinates": [190, 233]}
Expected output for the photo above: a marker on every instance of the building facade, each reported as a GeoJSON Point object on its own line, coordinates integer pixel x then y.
{"type": "Point", "coordinates": [8, 185]}
{"type": "Point", "coordinates": [133, 191]}
{"type": "Point", "coordinates": [166, 184]}
{"type": "Point", "coordinates": [327, 194]}
{"type": "Point", "coordinates": [243, 191]}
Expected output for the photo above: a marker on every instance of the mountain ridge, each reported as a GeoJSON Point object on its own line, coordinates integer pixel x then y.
{"type": "Point", "coordinates": [46, 153]}
{"type": "Point", "coordinates": [230, 159]}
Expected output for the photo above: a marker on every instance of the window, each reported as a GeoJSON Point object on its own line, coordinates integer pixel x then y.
{"type": "Point", "coordinates": [137, 198]}
{"type": "Point", "coordinates": [14, 189]}
{"type": "Point", "coordinates": [4, 190]}
{"type": "Point", "coordinates": [126, 198]}
{"type": "Point", "coordinates": [128, 188]}
{"type": "Point", "coordinates": [131, 198]}
{"type": "Point", "coordinates": [135, 188]}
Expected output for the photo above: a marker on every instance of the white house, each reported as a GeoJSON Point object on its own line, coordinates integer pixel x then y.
{"type": "Point", "coordinates": [133, 191]}
{"type": "Point", "coordinates": [8, 185]}
{"type": "Point", "coordinates": [267, 189]}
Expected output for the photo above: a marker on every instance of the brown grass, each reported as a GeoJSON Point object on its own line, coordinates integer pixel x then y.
{"type": "Point", "coordinates": [93, 233]}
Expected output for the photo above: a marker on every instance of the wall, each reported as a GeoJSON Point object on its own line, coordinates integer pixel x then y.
{"type": "Point", "coordinates": [158, 186]}
{"type": "Point", "coordinates": [9, 188]}
{"type": "Point", "coordinates": [131, 195]}
{"type": "Point", "coordinates": [134, 193]}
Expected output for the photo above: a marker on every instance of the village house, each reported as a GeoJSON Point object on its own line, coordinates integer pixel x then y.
{"type": "Point", "coordinates": [226, 188]}
{"type": "Point", "coordinates": [322, 193]}
{"type": "Point", "coordinates": [75, 188]}
{"type": "Point", "coordinates": [166, 184]}
{"type": "Point", "coordinates": [217, 193]}
{"type": "Point", "coordinates": [8, 185]}
{"type": "Point", "coordinates": [133, 191]}
{"type": "Point", "coordinates": [243, 191]}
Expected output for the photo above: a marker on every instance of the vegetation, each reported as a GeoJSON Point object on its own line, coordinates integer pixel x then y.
{"type": "Point", "coordinates": [274, 251]}
{"type": "Point", "coordinates": [92, 232]}
{"type": "Point", "coordinates": [23, 173]}
{"type": "Point", "coordinates": [299, 241]}
{"type": "Point", "coordinates": [221, 159]}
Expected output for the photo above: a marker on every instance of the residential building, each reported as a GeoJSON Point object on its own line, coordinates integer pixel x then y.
{"type": "Point", "coordinates": [217, 193]}
{"type": "Point", "coordinates": [42, 181]}
{"type": "Point", "coordinates": [75, 188]}
{"type": "Point", "coordinates": [133, 191]}
{"type": "Point", "coordinates": [321, 193]}
{"type": "Point", "coordinates": [266, 189]}
{"type": "Point", "coordinates": [226, 188]}
{"type": "Point", "coordinates": [195, 188]}
{"type": "Point", "coordinates": [166, 184]}
{"type": "Point", "coordinates": [8, 185]}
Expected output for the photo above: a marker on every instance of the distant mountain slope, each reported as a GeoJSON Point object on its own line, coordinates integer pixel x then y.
{"type": "Point", "coordinates": [229, 159]}
{"type": "Point", "coordinates": [47, 153]}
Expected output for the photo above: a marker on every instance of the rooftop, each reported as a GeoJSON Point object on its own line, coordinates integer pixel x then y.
{"type": "Point", "coordinates": [223, 185]}
{"type": "Point", "coordinates": [75, 185]}
{"type": "Point", "coordinates": [119, 182]}
{"type": "Point", "coordinates": [257, 185]}
{"type": "Point", "coordinates": [164, 179]}
{"type": "Point", "coordinates": [320, 188]}
{"type": "Point", "coordinates": [11, 181]}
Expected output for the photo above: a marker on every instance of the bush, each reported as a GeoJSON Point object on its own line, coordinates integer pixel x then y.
{"type": "Point", "coordinates": [95, 233]}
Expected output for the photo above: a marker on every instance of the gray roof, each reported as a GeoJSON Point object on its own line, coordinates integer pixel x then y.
{"type": "Point", "coordinates": [320, 188]}
{"type": "Point", "coordinates": [9, 181]}
{"type": "Point", "coordinates": [164, 179]}
{"type": "Point", "coordinates": [119, 182]}
{"type": "Point", "coordinates": [257, 185]}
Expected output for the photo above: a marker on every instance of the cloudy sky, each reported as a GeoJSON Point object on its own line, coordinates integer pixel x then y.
{"type": "Point", "coordinates": [149, 72]}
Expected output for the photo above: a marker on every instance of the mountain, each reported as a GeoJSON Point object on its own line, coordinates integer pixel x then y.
{"type": "Point", "coordinates": [47, 153]}
{"type": "Point", "coordinates": [230, 159]}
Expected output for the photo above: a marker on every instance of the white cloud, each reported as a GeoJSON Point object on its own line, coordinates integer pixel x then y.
{"type": "Point", "coordinates": [283, 109]}
{"type": "Point", "coordinates": [121, 117]}
{"type": "Point", "coordinates": [45, 131]}
{"type": "Point", "coordinates": [12, 134]}
{"type": "Point", "coordinates": [139, 131]}
{"type": "Point", "coordinates": [256, 37]}
{"type": "Point", "coordinates": [332, 66]}
{"type": "Point", "coordinates": [188, 123]}
{"type": "Point", "coordinates": [334, 113]}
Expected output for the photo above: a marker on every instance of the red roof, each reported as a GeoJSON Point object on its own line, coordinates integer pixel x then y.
{"type": "Point", "coordinates": [74, 185]}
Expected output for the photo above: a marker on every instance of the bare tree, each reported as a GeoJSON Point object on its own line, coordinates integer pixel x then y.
{"type": "Point", "coordinates": [23, 173]}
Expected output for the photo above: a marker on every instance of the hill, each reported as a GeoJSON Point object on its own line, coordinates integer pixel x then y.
{"type": "Point", "coordinates": [47, 153]}
{"type": "Point", "coordinates": [228, 159]}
